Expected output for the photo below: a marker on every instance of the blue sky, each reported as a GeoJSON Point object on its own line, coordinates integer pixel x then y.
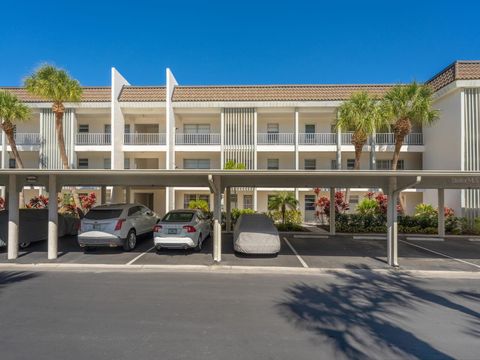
{"type": "Point", "coordinates": [239, 42]}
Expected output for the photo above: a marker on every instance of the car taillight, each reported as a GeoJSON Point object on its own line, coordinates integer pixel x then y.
{"type": "Point", "coordinates": [119, 224]}
{"type": "Point", "coordinates": [157, 228]}
{"type": "Point", "coordinates": [189, 228]}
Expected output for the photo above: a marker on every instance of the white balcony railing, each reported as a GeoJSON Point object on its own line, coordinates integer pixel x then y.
{"type": "Point", "coordinates": [145, 139]}
{"type": "Point", "coordinates": [93, 139]}
{"type": "Point", "coordinates": [27, 138]}
{"type": "Point", "coordinates": [389, 139]}
{"type": "Point", "coordinates": [276, 139]}
{"type": "Point", "coordinates": [197, 139]}
{"type": "Point", "coordinates": [317, 139]}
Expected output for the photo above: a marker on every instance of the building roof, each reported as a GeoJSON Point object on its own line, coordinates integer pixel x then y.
{"type": "Point", "coordinates": [274, 92]}
{"type": "Point", "coordinates": [90, 94]}
{"type": "Point", "coordinates": [142, 93]}
{"type": "Point", "coordinates": [459, 70]}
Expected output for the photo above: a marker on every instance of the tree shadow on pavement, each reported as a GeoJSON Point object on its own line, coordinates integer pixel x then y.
{"type": "Point", "coordinates": [360, 313]}
{"type": "Point", "coordinates": [10, 277]}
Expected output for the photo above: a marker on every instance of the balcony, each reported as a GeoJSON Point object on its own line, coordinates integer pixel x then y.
{"type": "Point", "coordinates": [317, 139]}
{"type": "Point", "coordinates": [197, 139]}
{"type": "Point", "coordinates": [145, 139]}
{"type": "Point", "coordinates": [93, 139]}
{"type": "Point", "coordinates": [275, 138]}
{"type": "Point", "coordinates": [387, 139]}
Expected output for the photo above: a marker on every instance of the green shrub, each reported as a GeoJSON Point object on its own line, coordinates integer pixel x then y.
{"type": "Point", "coordinates": [425, 210]}
{"type": "Point", "coordinates": [198, 205]}
{"type": "Point", "coordinates": [291, 216]}
{"type": "Point", "coordinates": [235, 214]}
{"type": "Point", "coordinates": [289, 227]}
{"type": "Point", "coordinates": [367, 207]}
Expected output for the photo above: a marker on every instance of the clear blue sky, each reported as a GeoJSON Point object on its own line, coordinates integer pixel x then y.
{"type": "Point", "coordinates": [238, 42]}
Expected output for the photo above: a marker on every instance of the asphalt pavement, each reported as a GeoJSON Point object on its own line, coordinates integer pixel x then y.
{"type": "Point", "coordinates": [140, 315]}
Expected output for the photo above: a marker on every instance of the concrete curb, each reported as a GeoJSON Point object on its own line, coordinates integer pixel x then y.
{"type": "Point", "coordinates": [228, 269]}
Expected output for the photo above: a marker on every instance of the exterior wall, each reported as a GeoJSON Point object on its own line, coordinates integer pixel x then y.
{"type": "Point", "coordinates": [285, 121]}
{"type": "Point", "coordinates": [214, 158]}
{"type": "Point", "coordinates": [285, 160]}
{"type": "Point", "coordinates": [323, 121]}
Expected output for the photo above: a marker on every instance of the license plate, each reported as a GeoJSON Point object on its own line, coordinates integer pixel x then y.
{"type": "Point", "coordinates": [172, 231]}
{"type": "Point", "coordinates": [97, 227]}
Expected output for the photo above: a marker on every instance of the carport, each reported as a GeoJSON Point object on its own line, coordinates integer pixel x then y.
{"type": "Point", "coordinates": [219, 181]}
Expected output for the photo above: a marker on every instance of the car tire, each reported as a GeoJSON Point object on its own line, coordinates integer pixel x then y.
{"type": "Point", "coordinates": [198, 248]}
{"type": "Point", "coordinates": [24, 244]}
{"type": "Point", "coordinates": [87, 249]}
{"type": "Point", "coordinates": [130, 241]}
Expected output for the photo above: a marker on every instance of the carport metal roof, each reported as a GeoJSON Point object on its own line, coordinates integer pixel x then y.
{"type": "Point", "coordinates": [251, 178]}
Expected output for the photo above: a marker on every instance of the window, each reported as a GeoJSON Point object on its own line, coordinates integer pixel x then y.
{"type": "Point", "coordinates": [309, 202]}
{"type": "Point", "coordinates": [177, 216]}
{"type": "Point", "coordinates": [310, 129]}
{"type": "Point", "coordinates": [135, 211]}
{"type": "Point", "coordinates": [272, 164]}
{"type": "Point", "coordinates": [83, 128]}
{"type": "Point", "coordinates": [126, 129]}
{"type": "Point", "coordinates": [107, 129]}
{"type": "Point", "coordinates": [126, 163]}
{"type": "Point", "coordinates": [333, 164]}
{"type": "Point", "coordinates": [248, 201]}
{"type": "Point", "coordinates": [196, 163]}
{"type": "Point", "coordinates": [194, 197]}
{"type": "Point", "coordinates": [310, 164]}
{"type": "Point", "coordinates": [196, 128]}
{"type": "Point", "coordinates": [233, 201]}
{"type": "Point", "coordinates": [103, 214]}
{"type": "Point", "coordinates": [350, 164]}
{"type": "Point", "coordinates": [107, 163]}
{"type": "Point", "coordinates": [272, 128]}
{"type": "Point", "coordinates": [83, 163]}
{"type": "Point", "coordinates": [387, 164]}
{"type": "Point", "coordinates": [12, 163]}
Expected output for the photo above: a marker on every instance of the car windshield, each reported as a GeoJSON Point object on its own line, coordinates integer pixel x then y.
{"type": "Point", "coordinates": [97, 214]}
{"type": "Point", "coordinates": [178, 217]}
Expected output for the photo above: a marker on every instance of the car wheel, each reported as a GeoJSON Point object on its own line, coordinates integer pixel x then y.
{"type": "Point", "coordinates": [87, 249]}
{"type": "Point", "coordinates": [199, 244]}
{"type": "Point", "coordinates": [130, 241]}
{"type": "Point", "coordinates": [24, 244]}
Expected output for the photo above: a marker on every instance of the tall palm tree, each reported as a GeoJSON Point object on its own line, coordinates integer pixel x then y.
{"type": "Point", "coordinates": [11, 111]}
{"type": "Point", "coordinates": [281, 201]}
{"type": "Point", "coordinates": [404, 106]}
{"type": "Point", "coordinates": [360, 114]}
{"type": "Point", "coordinates": [56, 85]}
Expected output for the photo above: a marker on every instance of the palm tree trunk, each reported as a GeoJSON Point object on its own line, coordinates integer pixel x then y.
{"type": "Point", "coordinates": [358, 155]}
{"type": "Point", "coordinates": [396, 153]}
{"type": "Point", "coordinates": [61, 138]}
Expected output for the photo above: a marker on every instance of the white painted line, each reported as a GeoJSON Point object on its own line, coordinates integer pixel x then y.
{"type": "Point", "coordinates": [417, 238]}
{"type": "Point", "coordinates": [304, 264]}
{"type": "Point", "coordinates": [441, 254]}
{"type": "Point", "coordinates": [367, 237]}
{"type": "Point", "coordinates": [474, 239]}
{"type": "Point", "coordinates": [139, 256]}
{"type": "Point", "coordinates": [311, 236]}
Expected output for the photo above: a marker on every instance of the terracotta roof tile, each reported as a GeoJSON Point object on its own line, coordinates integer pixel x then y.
{"type": "Point", "coordinates": [274, 92]}
{"type": "Point", "coordinates": [143, 93]}
{"type": "Point", "coordinates": [459, 70]}
{"type": "Point", "coordinates": [90, 94]}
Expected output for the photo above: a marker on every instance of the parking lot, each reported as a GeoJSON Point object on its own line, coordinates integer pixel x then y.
{"type": "Point", "coordinates": [297, 250]}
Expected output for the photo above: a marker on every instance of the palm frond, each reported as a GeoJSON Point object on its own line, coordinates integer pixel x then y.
{"type": "Point", "coordinates": [12, 109]}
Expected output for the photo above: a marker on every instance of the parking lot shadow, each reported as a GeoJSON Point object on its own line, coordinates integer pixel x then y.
{"type": "Point", "coordinates": [359, 314]}
{"type": "Point", "coordinates": [11, 277]}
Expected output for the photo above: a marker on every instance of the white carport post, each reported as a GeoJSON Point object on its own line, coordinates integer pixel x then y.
{"type": "Point", "coordinates": [441, 212]}
{"type": "Point", "coordinates": [13, 218]}
{"type": "Point", "coordinates": [332, 211]}
{"type": "Point", "coordinates": [228, 209]}
{"type": "Point", "coordinates": [392, 235]}
{"type": "Point", "coordinates": [216, 189]}
{"type": "Point", "coordinates": [52, 218]}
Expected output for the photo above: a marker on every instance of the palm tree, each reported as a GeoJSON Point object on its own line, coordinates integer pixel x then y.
{"type": "Point", "coordinates": [233, 165]}
{"type": "Point", "coordinates": [55, 85]}
{"type": "Point", "coordinates": [281, 201]}
{"type": "Point", "coordinates": [360, 114]}
{"type": "Point", "coordinates": [12, 110]}
{"type": "Point", "coordinates": [404, 106]}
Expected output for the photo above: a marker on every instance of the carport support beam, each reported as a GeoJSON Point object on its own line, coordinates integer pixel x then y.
{"type": "Point", "coordinates": [52, 218]}
{"type": "Point", "coordinates": [13, 218]}
{"type": "Point", "coordinates": [228, 209]}
{"type": "Point", "coordinates": [216, 189]}
{"type": "Point", "coordinates": [441, 212]}
{"type": "Point", "coordinates": [103, 194]}
{"type": "Point", "coordinates": [332, 211]}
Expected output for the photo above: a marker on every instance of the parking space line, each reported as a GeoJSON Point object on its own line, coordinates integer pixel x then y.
{"type": "Point", "coordinates": [304, 264]}
{"type": "Point", "coordinates": [419, 238]}
{"type": "Point", "coordinates": [311, 236]}
{"type": "Point", "coordinates": [139, 256]}
{"type": "Point", "coordinates": [441, 254]}
{"type": "Point", "coordinates": [474, 239]}
{"type": "Point", "coordinates": [369, 237]}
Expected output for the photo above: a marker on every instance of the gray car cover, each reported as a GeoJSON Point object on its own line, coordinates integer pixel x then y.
{"type": "Point", "coordinates": [34, 225]}
{"type": "Point", "coordinates": [256, 234]}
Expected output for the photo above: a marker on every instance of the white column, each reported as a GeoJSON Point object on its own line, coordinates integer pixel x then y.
{"type": "Point", "coordinates": [228, 209]}
{"type": "Point", "coordinates": [217, 226]}
{"type": "Point", "coordinates": [4, 151]}
{"type": "Point", "coordinates": [332, 211]}
{"type": "Point", "coordinates": [392, 234]}
{"type": "Point", "coordinates": [339, 148]}
{"type": "Point", "coordinates": [13, 218]}
{"type": "Point", "coordinates": [222, 139]}
{"type": "Point", "coordinates": [297, 161]}
{"type": "Point", "coordinates": [441, 212]}
{"type": "Point", "coordinates": [255, 198]}
{"type": "Point", "coordinates": [52, 218]}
